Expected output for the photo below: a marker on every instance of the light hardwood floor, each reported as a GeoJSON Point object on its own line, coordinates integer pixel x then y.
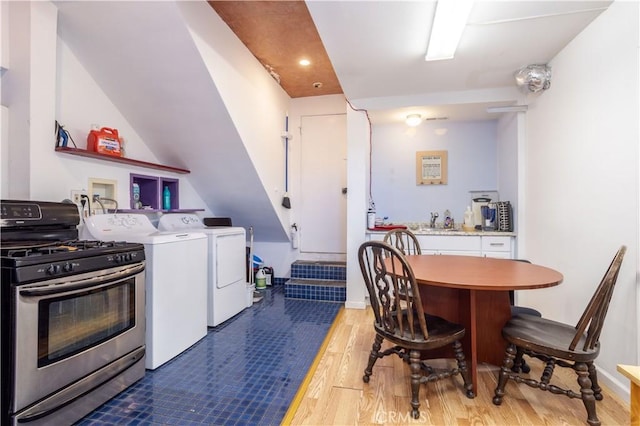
{"type": "Point", "coordinates": [336, 395]}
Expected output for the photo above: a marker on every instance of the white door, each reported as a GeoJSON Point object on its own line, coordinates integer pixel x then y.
{"type": "Point", "coordinates": [323, 170]}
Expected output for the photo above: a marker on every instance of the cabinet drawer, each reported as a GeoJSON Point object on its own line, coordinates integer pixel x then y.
{"type": "Point", "coordinates": [453, 242]}
{"type": "Point", "coordinates": [496, 244]}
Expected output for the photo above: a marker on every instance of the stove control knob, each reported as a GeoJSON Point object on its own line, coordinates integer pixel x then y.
{"type": "Point", "coordinates": [68, 267]}
{"type": "Point", "coordinates": [121, 258]}
{"type": "Point", "coordinates": [53, 269]}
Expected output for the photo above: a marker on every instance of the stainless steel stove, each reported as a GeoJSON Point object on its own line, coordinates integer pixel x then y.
{"type": "Point", "coordinates": [72, 315]}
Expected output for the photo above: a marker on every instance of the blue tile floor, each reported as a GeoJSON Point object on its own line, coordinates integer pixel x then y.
{"type": "Point", "coordinates": [246, 371]}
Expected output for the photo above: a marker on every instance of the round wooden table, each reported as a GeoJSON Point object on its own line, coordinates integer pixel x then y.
{"type": "Point", "coordinates": [474, 292]}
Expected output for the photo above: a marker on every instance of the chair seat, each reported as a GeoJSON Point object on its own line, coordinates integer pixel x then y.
{"type": "Point", "coordinates": [520, 310]}
{"type": "Point", "coordinates": [441, 332]}
{"type": "Point", "coordinates": [548, 337]}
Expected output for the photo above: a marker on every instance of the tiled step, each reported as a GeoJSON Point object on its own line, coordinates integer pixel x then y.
{"type": "Point", "coordinates": [319, 270]}
{"type": "Point", "coordinates": [317, 280]}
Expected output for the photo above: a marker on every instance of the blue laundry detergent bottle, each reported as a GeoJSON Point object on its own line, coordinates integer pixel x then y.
{"type": "Point", "coordinates": [166, 199]}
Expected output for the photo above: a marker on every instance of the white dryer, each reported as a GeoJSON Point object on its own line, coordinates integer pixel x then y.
{"type": "Point", "coordinates": [175, 281]}
{"type": "Point", "coordinates": [227, 270]}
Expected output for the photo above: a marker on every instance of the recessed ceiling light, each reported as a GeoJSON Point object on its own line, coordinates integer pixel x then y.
{"type": "Point", "coordinates": [304, 62]}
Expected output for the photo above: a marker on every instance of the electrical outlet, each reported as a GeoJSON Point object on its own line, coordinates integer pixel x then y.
{"type": "Point", "coordinates": [76, 195]}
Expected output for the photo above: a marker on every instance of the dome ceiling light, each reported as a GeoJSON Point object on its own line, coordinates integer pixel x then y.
{"type": "Point", "coordinates": [413, 120]}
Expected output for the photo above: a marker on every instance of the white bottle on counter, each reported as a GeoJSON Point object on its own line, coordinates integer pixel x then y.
{"type": "Point", "coordinates": [371, 219]}
{"type": "Point", "coordinates": [468, 218]}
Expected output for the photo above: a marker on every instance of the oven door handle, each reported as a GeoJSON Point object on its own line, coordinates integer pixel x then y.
{"type": "Point", "coordinates": [93, 282]}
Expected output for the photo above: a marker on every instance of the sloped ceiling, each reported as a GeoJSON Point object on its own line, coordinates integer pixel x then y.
{"type": "Point", "coordinates": [153, 73]}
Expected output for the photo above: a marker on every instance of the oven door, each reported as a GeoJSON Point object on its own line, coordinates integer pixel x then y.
{"type": "Point", "coordinates": [67, 328]}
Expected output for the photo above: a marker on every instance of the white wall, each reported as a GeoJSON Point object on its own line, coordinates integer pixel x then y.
{"type": "Point", "coordinates": [472, 165]}
{"type": "Point", "coordinates": [582, 184]}
{"type": "Point", "coordinates": [507, 152]}
{"type": "Point", "coordinates": [48, 83]}
{"type": "Point", "coordinates": [255, 102]}
{"type": "Point", "coordinates": [358, 148]}
{"type": "Point", "coordinates": [4, 35]}
{"type": "Point", "coordinates": [4, 111]}
{"type": "Point", "coordinates": [80, 102]}
{"type": "Point", "coordinates": [507, 161]}
{"type": "Point", "coordinates": [16, 97]}
{"type": "Point", "coordinates": [4, 151]}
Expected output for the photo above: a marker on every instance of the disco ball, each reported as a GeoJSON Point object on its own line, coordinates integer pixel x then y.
{"type": "Point", "coordinates": [533, 78]}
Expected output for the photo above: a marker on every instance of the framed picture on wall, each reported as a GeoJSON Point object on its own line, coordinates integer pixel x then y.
{"type": "Point", "coordinates": [431, 168]}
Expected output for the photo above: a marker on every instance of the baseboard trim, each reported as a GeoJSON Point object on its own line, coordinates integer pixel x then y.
{"type": "Point", "coordinates": [620, 388]}
{"type": "Point", "coordinates": [355, 305]}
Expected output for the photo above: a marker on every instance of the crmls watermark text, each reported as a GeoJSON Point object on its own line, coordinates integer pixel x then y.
{"type": "Point", "coordinates": [396, 417]}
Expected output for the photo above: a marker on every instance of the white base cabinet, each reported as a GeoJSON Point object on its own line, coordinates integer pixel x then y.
{"type": "Point", "coordinates": [497, 246]}
{"type": "Point", "coordinates": [460, 245]}
{"type": "Point", "coordinates": [500, 247]}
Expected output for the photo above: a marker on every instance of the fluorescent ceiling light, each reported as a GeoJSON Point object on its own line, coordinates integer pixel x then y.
{"type": "Point", "coordinates": [448, 25]}
{"type": "Point", "coordinates": [514, 108]}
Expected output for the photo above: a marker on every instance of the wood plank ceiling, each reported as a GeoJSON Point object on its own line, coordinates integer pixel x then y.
{"type": "Point", "coordinates": [280, 34]}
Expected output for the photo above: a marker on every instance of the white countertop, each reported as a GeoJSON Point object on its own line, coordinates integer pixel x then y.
{"type": "Point", "coordinates": [456, 232]}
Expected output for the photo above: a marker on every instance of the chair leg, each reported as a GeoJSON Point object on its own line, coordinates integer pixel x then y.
{"type": "Point", "coordinates": [593, 375]}
{"type": "Point", "coordinates": [520, 365]}
{"type": "Point", "coordinates": [588, 399]}
{"type": "Point", "coordinates": [464, 371]}
{"type": "Point", "coordinates": [373, 357]}
{"type": "Point", "coordinates": [414, 362]}
{"type": "Point", "coordinates": [507, 365]}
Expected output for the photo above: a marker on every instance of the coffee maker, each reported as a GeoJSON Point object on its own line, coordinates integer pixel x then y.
{"type": "Point", "coordinates": [488, 217]}
{"type": "Point", "coordinates": [479, 199]}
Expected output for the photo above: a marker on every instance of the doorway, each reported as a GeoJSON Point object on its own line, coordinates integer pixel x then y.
{"type": "Point", "coordinates": [323, 182]}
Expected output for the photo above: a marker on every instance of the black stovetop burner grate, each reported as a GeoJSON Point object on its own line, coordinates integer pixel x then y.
{"type": "Point", "coordinates": [37, 248]}
{"type": "Point", "coordinates": [18, 252]}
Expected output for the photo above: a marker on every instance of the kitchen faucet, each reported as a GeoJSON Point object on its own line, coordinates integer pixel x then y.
{"type": "Point", "coordinates": [434, 216]}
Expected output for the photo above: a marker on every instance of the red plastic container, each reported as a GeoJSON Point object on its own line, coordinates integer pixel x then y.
{"type": "Point", "coordinates": [104, 141]}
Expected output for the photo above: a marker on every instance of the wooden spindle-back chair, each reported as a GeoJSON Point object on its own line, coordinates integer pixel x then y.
{"type": "Point", "coordinates": [563, 345]}
{"type": "Point", "coordinates": [400, 319]}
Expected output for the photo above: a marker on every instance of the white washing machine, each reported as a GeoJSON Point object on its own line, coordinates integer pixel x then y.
{"type": "Point", "coordinates": [175, 281]}
{"type": "Point", "coordinates": [227, 271]}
